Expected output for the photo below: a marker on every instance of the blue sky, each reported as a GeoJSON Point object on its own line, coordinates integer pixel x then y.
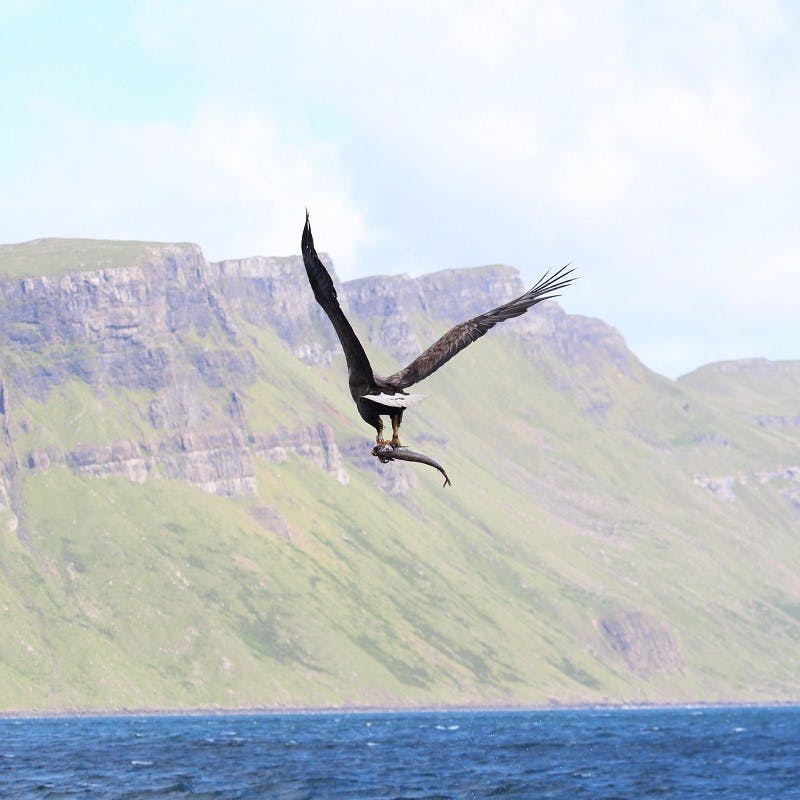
{"type": "Point", "coordinates": [654, 145]}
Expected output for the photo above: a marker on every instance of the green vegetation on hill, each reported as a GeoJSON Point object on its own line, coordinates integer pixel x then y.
{"type": "Point", "coordinates": [61, 256]}
{"type": "Point", "coordinates": [583, 554]}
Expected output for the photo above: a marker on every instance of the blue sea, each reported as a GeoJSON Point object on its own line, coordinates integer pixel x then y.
{"type": "Point", "coordinates": [746, 753]}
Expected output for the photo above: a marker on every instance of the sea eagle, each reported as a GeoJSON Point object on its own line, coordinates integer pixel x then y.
{"type": "Point", "coordinates": [375, 396]}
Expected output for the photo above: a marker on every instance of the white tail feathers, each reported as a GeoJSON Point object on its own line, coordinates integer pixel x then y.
{"type": "Point", "coordinates": [396, 400]}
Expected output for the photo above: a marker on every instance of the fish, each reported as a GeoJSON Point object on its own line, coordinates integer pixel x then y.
{"type": "Point", "coordinates": [386, 452]}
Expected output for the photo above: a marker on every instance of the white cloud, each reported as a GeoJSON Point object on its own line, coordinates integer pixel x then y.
{"type": "Point", "coordinates": [232, 181]}
{"type": "Point", "coordinates": [763, 282]}
{"type": "Point", "coordinates": [652, 144]}
{"type": "Point", "coordinates": [596, 177]}
{"type": "Point", "coordinates": [711, 127]}
{"type": "Point", "coordinates": [565, 92]}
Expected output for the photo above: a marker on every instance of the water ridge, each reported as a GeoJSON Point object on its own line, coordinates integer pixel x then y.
{"type": "Point", "coordinates": [701, 752]}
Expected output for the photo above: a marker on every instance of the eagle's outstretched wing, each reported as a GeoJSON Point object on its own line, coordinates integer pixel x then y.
{"type": "Point", "coordinates": [325, 293]}
{"type": "Point", "coordinates": [463, 334]}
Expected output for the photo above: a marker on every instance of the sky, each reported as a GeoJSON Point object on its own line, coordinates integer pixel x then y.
{"type": "Point", "coordinates": [653, 145]}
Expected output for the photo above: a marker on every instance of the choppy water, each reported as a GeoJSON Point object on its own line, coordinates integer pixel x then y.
{"type": "Point", "coordinates": [746, 753]}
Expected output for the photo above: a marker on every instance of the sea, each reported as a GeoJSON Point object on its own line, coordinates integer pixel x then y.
{"type": "Point", "coordinates": [703, 752]}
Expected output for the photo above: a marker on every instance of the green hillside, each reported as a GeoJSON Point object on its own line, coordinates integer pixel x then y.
{"type": "Point", "coordinates": [582, 555]}
{"type": "Point", "coordinates": [61, 256]}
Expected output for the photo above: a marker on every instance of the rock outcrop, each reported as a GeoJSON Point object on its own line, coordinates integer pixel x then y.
{"type": "Point", "coordinates": [274, 291]}
{"type": "Point", "coordinates": [315, 443]}
{"type": "Point", "coordinates": [646, 645]}
{"type": "Point", "coordinates": [723, 486]}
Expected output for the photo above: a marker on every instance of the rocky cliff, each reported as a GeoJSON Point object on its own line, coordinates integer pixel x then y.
{"type": "Point", "coordinates": [190, 514]}
{"type": "Point", "coordinates": [172, 327]}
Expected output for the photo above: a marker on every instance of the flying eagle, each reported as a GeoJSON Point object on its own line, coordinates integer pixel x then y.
{"type": "Point", "coordinates": [375, 396]}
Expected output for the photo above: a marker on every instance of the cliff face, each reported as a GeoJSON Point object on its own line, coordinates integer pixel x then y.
{"type": "Point", "coordinates": [180, 453]}
{"type": "Point", "coordinates": [149, 328]}
{"type": "Point", "coordinates": [171, 327]}
{"type": "Point", "coordinates": [275, 292]}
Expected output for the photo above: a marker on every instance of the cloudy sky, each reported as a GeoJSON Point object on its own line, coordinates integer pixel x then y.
{"type": "Point", "coordinates": [654, 145]}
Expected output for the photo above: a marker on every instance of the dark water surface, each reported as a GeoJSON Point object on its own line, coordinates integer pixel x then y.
{"type": "Point", "coordinates": [743, 753]}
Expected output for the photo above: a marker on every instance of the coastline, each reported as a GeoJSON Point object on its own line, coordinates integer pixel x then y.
{"type": "Point", "coordinates": [276, 711]}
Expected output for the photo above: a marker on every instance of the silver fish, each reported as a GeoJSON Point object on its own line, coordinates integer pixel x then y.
{"type": "Point", "coordinates": [386, 453]}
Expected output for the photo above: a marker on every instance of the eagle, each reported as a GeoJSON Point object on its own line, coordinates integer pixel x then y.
{"type": "Point", "coordinates": [377, 397]}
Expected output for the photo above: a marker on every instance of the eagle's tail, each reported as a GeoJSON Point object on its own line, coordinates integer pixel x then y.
{"type": "Point", "coordinates": [396, 400]}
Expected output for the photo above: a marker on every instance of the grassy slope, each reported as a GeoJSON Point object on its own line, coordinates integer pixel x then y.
{"type": "Point", "coordinates": [61, 256]}
{"type": "Point", "coordinates": [753, 389]}
{"type": "Point", "coordinates": [157, 595]}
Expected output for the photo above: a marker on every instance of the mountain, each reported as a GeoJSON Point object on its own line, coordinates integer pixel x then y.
{"type": "Point", "coordinates": [190, 515]}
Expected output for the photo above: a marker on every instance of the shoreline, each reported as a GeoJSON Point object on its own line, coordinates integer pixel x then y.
{"type": "Point", "coordinates": [275, 711]}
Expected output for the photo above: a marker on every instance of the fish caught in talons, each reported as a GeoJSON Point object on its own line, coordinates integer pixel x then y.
{"type": "Point", "coordinates": [386, 452]}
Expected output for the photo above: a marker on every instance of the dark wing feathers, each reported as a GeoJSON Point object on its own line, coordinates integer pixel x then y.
{"type": "Point", "coordinates": [463, 334]}
{"type": "Point", "coordinates": [455, 340]}
{"type": "Point", "coordinates": [325, 294]}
